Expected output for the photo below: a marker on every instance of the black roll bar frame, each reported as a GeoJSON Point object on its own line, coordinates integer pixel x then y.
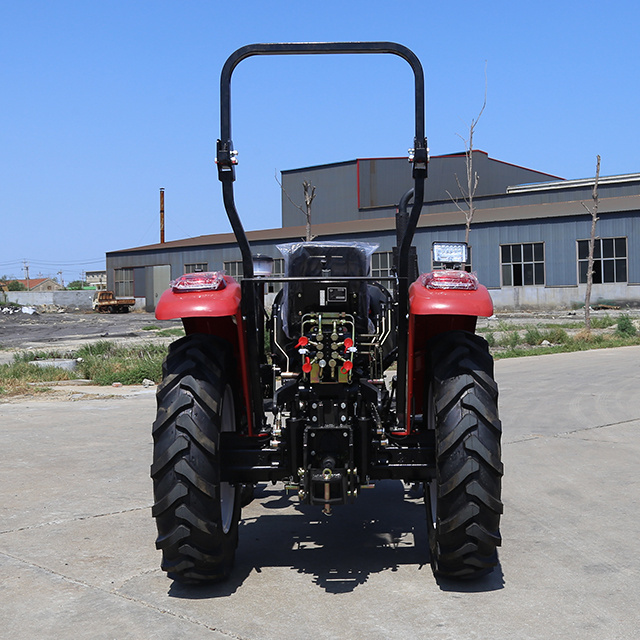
{"type": "Point", "coordinates": [252, 307]}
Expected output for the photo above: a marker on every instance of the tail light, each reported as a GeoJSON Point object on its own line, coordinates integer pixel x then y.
{"type": "Point", "coordinates": [450, 279]}
{"type": "Point", "coordinates": [205, 281]}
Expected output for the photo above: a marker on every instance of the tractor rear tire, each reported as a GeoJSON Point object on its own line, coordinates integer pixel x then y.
{"type": "Point", "coordinates": [196, 514]}
{"type": "Point", "coordinates": [463, 501]}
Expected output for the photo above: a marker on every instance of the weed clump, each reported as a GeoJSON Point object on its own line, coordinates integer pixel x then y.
{"type": "Point", "coordinates": [173, 332]}
{"type": "Point", "coordinates": [625, 327]}
{"type": "Point", "coordinates": [556, 335]}
{"type": "Point", "coordinates": [602, 323]}
{"type": "Point", "coordinates": [513, 340]}
{"type": "Point", "coordinates": [533, 336]}
{"type": "Point", "coordinates": [18, 377]}
{"type": "Point", "coordinates": [106, 363]}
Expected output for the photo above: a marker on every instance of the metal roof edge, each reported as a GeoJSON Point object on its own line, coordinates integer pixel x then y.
{"type": "Point", "coordinates": [573, 184]}
{"type": "Point", "coordinates": [450, 217]}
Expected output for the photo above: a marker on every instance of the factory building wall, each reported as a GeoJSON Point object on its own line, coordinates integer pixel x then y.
{"type": "Point", "coordinates": [559, 237]}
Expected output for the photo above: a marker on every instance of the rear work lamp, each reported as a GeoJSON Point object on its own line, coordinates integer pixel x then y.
{"type": "Point", "coordinates": [450, 252]}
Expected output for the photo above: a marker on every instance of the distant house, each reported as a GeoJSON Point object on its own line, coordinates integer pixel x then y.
{"type": "Point", "coordinates": [97, 279]}
{"type": "Point", "coordinates": [41, 284]}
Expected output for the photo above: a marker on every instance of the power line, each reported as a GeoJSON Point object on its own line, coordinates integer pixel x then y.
{"type": "Point", "coordinates": [45, 263]}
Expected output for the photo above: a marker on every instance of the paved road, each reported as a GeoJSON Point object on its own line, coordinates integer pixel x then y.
{"type": "Point", "coordinates": [77, 558]}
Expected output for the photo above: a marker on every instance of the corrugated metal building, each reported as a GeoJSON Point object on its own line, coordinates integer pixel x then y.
{"type": "Point", "coordinates": [528, 236]}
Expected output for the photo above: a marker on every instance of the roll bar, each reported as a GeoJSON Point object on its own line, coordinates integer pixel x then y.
{"type": "Point", "coordinates": [226, 160]}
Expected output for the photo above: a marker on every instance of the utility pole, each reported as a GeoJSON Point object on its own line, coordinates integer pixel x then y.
{"type": "Point", "coordinates": [161, 215]}
{"type": "Point", "coordinates": [26, 274]}
{"type": "Point", "coordinates": [61, 280]}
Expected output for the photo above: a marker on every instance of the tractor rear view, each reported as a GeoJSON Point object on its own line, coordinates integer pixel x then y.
{"type": "Point", "coordinates": [365, 379]}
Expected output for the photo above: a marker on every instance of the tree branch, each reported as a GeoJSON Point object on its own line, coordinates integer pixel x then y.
{"type": "Point", "coordinates": [309, 195]}
{"type": "Point", "coordinates": [297, 206]}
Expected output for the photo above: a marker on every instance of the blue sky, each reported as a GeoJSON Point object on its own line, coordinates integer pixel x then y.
{"type": "Point", "coordinates": [104, 102]}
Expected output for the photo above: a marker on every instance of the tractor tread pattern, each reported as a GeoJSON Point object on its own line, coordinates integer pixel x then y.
{"type": "Point", "coordinates": [185, 469]}
{"type": "Point", "coordinates": [468, 457]}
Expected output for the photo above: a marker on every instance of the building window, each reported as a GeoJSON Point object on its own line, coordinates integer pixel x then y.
{"type": "Point", "coordinates": [382, 264]}
{"type": "Point", "coordinates": [234, 269]}
{"type": "Point", "coordinates": [278, 272]}
{"type": "Point", "coordinates": [522, 264]}
{"type": "Point", "coordinates": [609, 260]}
{"type": "Point", "coordinates": [123, 283]}
{"type": "Point", "coordinates": [196, 267]}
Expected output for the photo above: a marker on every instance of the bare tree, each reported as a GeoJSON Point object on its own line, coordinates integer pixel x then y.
{"type": "Point", "coordinates": [469, 190]}
{"type": "Point", "coordinates": [309, 194]}
{"type": "Point", "coordinates": [592, 243]}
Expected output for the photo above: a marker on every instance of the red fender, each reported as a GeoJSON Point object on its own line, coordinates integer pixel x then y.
{"type": "Point", "coordinates": [200, 304]}
{"type": "Point", "coordinates": [433, 311]}
{"type": "Point", "coordinates": [452, 302]}
{"type": "Point", "coordinates": [215, 313]}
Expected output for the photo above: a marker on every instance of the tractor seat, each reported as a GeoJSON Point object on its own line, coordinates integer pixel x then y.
{"type": "Point", "coordinates": [322, 260]}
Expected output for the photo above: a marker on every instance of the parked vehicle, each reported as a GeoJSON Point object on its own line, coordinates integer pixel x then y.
{"type": "Point", "coordinates": [365, 379]}
{"type": "Point", "coordinates": [106, 302]}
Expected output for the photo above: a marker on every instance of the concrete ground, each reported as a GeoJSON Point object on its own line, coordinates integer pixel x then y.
{"type": "Point", "coordinates": [77, 556]}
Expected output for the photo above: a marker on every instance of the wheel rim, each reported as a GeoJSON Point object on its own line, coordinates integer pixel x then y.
{"type": "Point", "coordinates": [227, 490]}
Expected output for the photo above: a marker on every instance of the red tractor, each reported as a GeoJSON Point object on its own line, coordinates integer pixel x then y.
{"type": "Point", "coordinates": [366, 379]}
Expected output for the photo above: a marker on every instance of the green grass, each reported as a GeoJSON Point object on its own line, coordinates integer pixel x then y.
{"type": "Point", "coordinates": [103, 362]}
{"type": "Point", "coordinates": [502, 327]}
{"type": "Point", "coordinates": [569, 324]}
{"type": "Point", "coordinates": [17, 378]}
{"type": "Point", "coordinates": [171, 333]}
{"type": "Point", "coordinates": [30, 356]}
{"type": "Point", "coordinates": [533, 336]}
{"type": "Point", "coordinates": [106, 363]}
{"type": "Point", "coordinates": [512, 339]}
{"type": "Point", "coordinates": [625, 327]}
{"type": "Point", "coordinates": [581, 342]}
{"type": "Point", "coordinates": [165, 333]}
{"type": "Point", "coordinates": [603, 323]}
{"type": "Point", "coordinates": [11, 305]}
